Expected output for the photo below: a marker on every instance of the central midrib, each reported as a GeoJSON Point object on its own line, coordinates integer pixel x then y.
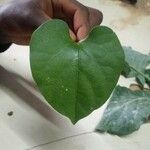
{"type": "Point", "coordinates": [77, 85]}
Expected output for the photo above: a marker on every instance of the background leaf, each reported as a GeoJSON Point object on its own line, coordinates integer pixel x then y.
{"type": "Point", "coordinates": [75, 78]}
{"type": "Point", "coordinates": [126, 111]}
{"type": "Point", "coordinates": [135, 65]}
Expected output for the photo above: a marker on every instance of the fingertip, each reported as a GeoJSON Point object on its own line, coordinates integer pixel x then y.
{"type": "Point", "coordinates": [82, 33]}
{"type": "Point", "coordinates": [72, 35]}
{"type": "Point", "coordinates": [99, 16]}
{"type": "Point", "coordinates": [95, 17]}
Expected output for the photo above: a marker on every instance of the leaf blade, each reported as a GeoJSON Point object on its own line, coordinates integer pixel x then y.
{"type": "Point", "coordinates": [126, 111]}
{"type": "Point", "coordinates": [66, 75]}
{"type": "Point", "coordinates": [136, 64]}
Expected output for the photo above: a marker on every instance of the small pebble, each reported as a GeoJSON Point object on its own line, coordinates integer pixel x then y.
{"type": "Point", "coordinates": [10, 113]}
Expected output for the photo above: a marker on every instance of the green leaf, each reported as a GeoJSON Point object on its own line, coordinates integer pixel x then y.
{"type": "Point", "coordinates": [135, 65]}
{"type": "Point", "coordinates": [148, 76]}
{"type": "Point", "coordinates": [75, 78]}
{"type": "Point", "coordinates": [126, 111]}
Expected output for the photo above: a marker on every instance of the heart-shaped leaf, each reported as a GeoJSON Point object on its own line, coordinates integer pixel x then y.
{"type": "Point", "coordinates": [75, 78]}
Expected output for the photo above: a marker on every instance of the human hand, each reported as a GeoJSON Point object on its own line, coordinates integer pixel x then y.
{"type": "Point", "coordinates": [18, 19]}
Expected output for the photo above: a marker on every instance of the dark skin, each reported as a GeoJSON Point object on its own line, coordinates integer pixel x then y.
{"type": "Point", "coordinates": [19, 18]}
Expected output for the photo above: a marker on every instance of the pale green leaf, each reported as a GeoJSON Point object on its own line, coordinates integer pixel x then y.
{"type": "Point", "coordinates": [126, 111]}
{"type": "Point", "coordinates": [136, 64]}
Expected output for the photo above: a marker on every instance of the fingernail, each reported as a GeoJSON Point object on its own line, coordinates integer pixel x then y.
{"type": "Point", "coordinates": [72, 35]}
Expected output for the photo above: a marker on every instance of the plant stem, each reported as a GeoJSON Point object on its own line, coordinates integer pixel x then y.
{"type": "Point", "coordinates": [139, 72]}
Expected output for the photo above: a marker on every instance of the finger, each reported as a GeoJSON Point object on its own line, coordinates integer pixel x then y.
{"type": "Point", "coordinates": [79, 16]}
{"type": "Point", "coordinates": [81, 23]}
{"type": "Point", "coordinates": [95, 17]}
